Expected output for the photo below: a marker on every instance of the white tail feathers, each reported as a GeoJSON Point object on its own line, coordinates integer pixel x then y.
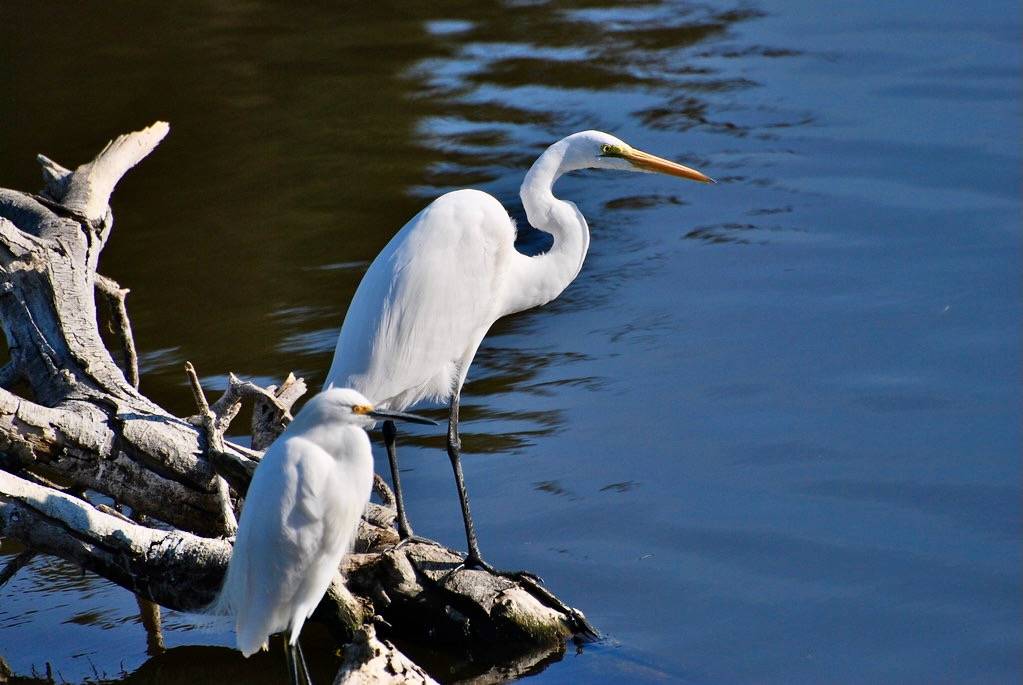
{"type": "Point", "coordinates": [221, 604]}
{"type": "Point", "coordinates": [250, 635]}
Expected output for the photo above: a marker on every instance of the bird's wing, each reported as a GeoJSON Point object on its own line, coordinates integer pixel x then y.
{"type": "Point", "coordinates": [280, 538]}
{"type": "Point", "coordinates": [426, 301]}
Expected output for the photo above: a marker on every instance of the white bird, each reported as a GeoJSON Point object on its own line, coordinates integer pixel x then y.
{"type": "Point", "coordinates": [300, 517]}
{"type": "Point", "coordinates": [429, 298]}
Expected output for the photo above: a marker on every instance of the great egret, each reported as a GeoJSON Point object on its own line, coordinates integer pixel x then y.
{"type": "Point", "coordinates": [429, 297]}
{"type": "Point", "coordinates": [300, 517]}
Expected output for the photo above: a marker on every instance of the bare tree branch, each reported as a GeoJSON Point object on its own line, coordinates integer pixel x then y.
{"type": "Point", "coordinates": [88, 423]}
{"type": "Point", "coordinates": [381, 488]}
{"type": "Point", "coordinates": [206, 417]}
{"type": "Point", "coordinates": [149, 613]}
{"type": "Point", "coordinates": [148, 462]}
{"type": "Point", "coordinates": [174, 568]}
{"type": "Point", "coordinates": [55, 178]}
{"type": "Point", "coordinates": [40, 480]}
{"type": "Point", "coordinates": [226, 408]}
{"type": "Point", "coordinates": [368, 660]}
{"type": "Point", "coordinates": [270, 417]}
{"type": "Point", "coordinates": [121, 325]}
{"type": "Point", "coordinates": [271, 413]}
{"type": "Point", "coordinates": [87, 191]}
{"type": "Point", "coordinates": [215, 441]}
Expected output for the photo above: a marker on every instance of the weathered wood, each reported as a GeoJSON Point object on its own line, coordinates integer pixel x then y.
{"type": "Point", "coordinates": [173, 568]}
{"type": "Point", "coordinates": [149, 462]}
{"type": "Point", "coordinates": [85, 424]}
{"type": "Point", "coordinates": [88, 423]}
{"type": "Point", "coordinates": [370, 661]}
{"type": "Point", "coordinates": [120, 325]}
{"type": "Point", "coordinates": [423, 592]}
{"type": "Point", "coordinates": [215, 442]}
{"type": "Point", "coordinates": [413, 588]}
{"type": "Point", "coordinates": [149, 613]}
{"type": "Point", "coordinates": [270, 415]}
{"type": "Point", "coordinates": [87, 190]}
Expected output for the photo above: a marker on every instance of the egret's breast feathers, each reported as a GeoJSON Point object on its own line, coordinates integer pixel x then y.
{"type": "Point", "coordinates": [433, 288]}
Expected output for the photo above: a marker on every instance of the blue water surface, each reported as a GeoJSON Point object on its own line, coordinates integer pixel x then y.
{"type": "Point", "coordinates": [772, 433]}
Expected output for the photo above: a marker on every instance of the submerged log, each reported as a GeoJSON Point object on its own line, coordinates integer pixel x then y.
{"type": "Point", "coordinates": [82, 422]}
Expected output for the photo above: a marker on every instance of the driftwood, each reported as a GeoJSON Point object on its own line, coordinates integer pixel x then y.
{"type": "Point", "coordinates": [69, 414]}
{"type": "Point", "coordinates": [368, 660]}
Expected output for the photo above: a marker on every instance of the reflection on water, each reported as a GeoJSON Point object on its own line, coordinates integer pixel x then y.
{"type": "Point", "coordinates": [781, 411]}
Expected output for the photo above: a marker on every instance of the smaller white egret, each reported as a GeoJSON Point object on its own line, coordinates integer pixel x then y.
{"type": "Point", "coordinates": [300, 517]}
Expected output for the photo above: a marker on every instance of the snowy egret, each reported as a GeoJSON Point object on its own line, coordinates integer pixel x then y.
{"type": "Point", "coordinates": [300, 517]}
{"type": "Point", "coordinates": [429, 298]}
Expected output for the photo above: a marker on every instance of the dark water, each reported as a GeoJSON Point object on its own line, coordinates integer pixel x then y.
{"type": "Point", "coordinates": [772, 431]}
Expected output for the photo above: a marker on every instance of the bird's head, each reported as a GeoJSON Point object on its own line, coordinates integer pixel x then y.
{"type": "Point", "coordinates": [599, 150]}
{"type": "Point", "coordinates": [350, 406]}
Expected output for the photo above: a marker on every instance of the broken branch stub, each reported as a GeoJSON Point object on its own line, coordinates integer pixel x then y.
{"type": "Point", "coordinates": [86, 423]}
{"type": "Point", "coordinates": [272, 414]}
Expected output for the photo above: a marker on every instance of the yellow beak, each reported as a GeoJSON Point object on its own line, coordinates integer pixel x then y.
{"type": "Point", "coordinates": [649, 162]}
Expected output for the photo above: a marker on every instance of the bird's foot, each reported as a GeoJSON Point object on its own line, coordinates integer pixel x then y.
{"type": "Point", "coordinates": [533, 584]}
{"type": "Point", "coordinates": [409, 539]}
{"type": "Point", "coordinates": [475, 563]}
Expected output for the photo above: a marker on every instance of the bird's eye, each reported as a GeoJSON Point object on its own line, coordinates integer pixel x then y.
{"type": "Point", "coordinates": [361, 409]}
{"type": "Point", "coordinates": [604, 149]}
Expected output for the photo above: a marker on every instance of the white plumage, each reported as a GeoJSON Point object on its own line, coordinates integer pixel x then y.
{"type": "Point", "coordinates": [429, 298]}
{"type": "Point", "coordinates": [300, 517]}
{"type": "Point", "coordinates": [426, 302]}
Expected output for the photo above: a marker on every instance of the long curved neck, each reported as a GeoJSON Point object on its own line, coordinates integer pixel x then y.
{"type": "Point", "coordinates": [538, 280]}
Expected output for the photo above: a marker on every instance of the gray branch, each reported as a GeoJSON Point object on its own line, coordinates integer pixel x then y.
{"type": "Point", "coordinates": [88, 424]}
{"type": "Point", "coordinates": [121, 325]}
{"type": "Point", "coordinates": [16, 564]}
{"type": "Point", "coordinates": [272, 414]}
{"type": "Point", "coordinates": [87, 190]}
{"type": "Point", "coordinates": [173, 568]}
{"type": "Point", "coordinates": [215, 444]}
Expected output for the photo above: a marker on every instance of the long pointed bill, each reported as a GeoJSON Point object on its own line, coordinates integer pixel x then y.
{"type": "Point", "coordinates": [648, 162]}
{"type": "Point", "coordinates": [400, 416]}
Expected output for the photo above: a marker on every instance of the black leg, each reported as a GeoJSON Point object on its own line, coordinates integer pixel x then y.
{"type": "Point", "coordinates": [292, 663]}
{"type": "Point", "coordinates": [301, 661]}
{"type": "Point", "coordinates": [473, 560]}
{"type": "Point", "coordinates": [390, 432]}
{"type": "Point", "coordinates": [297, 670]}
